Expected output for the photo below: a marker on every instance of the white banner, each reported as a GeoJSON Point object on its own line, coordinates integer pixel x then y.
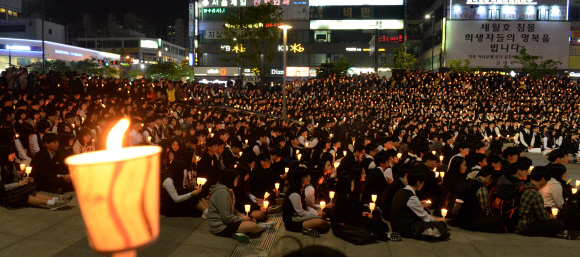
{"type": "Point", "coordinates": [491, 44]}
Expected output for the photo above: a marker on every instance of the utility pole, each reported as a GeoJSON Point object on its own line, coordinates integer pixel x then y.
{"type": "Point", "coordinates": [43, 56]}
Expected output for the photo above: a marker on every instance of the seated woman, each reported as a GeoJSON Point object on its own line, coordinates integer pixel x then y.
{"type": "Point", "coordinates": [242, 193]}
{"type": "Point", "coordinates": [408, 215]}
{"type": "Point", "coordinates": [223, 219]}
{"type": "Point", "coordinates": [350, 211]}
{"type": "Point", "coordinates": [474, 214]}
{"type": "Point", "coordinates": [178, 199]}
{"type": "Point", "coordinates": [296, 216]}
{"type": "Point", "coordinates": [16, 190]}
{"type": "Point", "coordinates": [554, 192]}
{"type": "Point", "coordinates": [83, 143]}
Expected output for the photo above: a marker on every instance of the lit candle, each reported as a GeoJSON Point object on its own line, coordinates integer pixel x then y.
{"type": "Point", "coordinates": [22, 167]}
{"type": "Point", "coordinates": [554, 211]}
{"type": "Point", "coordinates": [211, 134]}
{"type": "Point", "coordinates": [266, 204]}
{"type": "Point", "coordinates": [428, 201]}
{"type": "Point", "coordinates": [433, 152]}
{"type": "Point", "coordinates": [436, 174]}
{"type": "Point", "coordinates": [336, 164]}
{"type": "Point", "coordinates": [103, 180]}
{"type": "Point", "coordinates": [17, 136]}
{"type": "Point", "coordinates": [246, 141]}
{"type": "Point", "coordinates": [331, 195]}
{"type": "Point", "coordinates": [277, 185]}
{"type": "Point", "coordinates": [322, 205]}
{"type": "Point", "coordinates": [241, 153]}
{"type": "Point", "coordinates": [247, 207]}
{"type": "Point", "coordinates": [28, 170]}
{"type": "Point", "coordinates": [266, 195]}
{"type": "Point", "coordinates": [344, 153]}
{"type": "Point", "coordinates": [73, 125]}
{"type": "Point", "coordinates": [372, 206]}
{"type": "Point", "coordinates": [374, 198]}
{"type": "Point", "coordinates": [331, 135]}
{"type": "Point", "coordinates": [399, 155]}
{"type": "Point", "coordinates": [149, 138]}
{"type": "Point", "coordinates": [577, 183]}
{"type": "Point", "coordinates": [440, 158]}
{"type": "Point", "coordinates": [306, 144]}
{"type": "Point", "coordinates": [286, 170]}
{"type": "Point", "coordinates": [209, 129]}
{"type": "Point", "coordinates": [442, 174]}
{"type": "Point", "coordinates": [574, 190]}
{"type": "Point", "coordinates": [443, 212]}
{"type": "Point", "coordinates": [299, 156]}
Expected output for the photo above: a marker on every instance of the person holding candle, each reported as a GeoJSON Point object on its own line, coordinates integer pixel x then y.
{"type": "Point", "coordinates": [48, 172]}
{"type": "Point", "coordinates": [432, 187]}
{"type": "Point", "coordinates": [16, 190]}
{"type": "Point", "coordinates": [22, 143]}
{"type": "Point", "coordinates": [135, 138]}
{"type": "Point", "coordinates": [36, 143]}
{"type": "Point", "coordinates": [207, 166]}
{"type": "Point", "coordinates": [474, 213]}
{"type": "Point", "coordinates": [553, 192]}
{"type": "Point", "coordinates": [380, 177]}
{"type": "Point", "coordinates": [290, 149]}
{"type": "Point", "coordinates": [388, 194]}
{"type": "Point", "coordinates": [83, 141]}
{"type": "Point", "coordinates": [455, 175]}
{"type": "Point", "coordinates": [408, 215]}
{"type": "Point", "coordinates": [149, 132]}
{"type": "Point", "coordinates": [534, 220]}
{"type": "Point", "coordinates": [348, 210]}
{"type": "Point", "coordinates": [223, 218]}
{"type": "Point", "coordinates": [178, 198]}
{"type": "Point", "coordinates": [260, 181]}
{"type": "Point", "coordinates": [296, 218]}
{"type": "Point", "coordinates": [242, 191]}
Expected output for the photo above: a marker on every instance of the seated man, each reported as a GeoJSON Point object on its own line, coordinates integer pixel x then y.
{"type": "Point", "coordinates": [533, 218]}
{"type": "Point", "coordinates": [408, 215]}
{"type": "Point", "coordinates": [400, 182]}
{"type": "Point", "coordinates": [50, 175]}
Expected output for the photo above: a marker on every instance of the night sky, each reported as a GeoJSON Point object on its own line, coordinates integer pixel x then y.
{"type": "Point", "coordinates": [158, 13]}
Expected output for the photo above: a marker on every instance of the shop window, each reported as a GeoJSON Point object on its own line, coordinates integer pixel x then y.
{"type": "Point", "coordinates": [50, 31]}
{"type": "Point", "coordinates": [23, 61]}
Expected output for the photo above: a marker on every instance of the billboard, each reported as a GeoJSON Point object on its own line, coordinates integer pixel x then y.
{"type": "Point", "coordinates": [354, 3]}
{"type": "Point", "coordinates": [242, 3]}
{"type": "Point", "coordinates": [508, 10]}
{"type": "Point", "coordinates": [216, 71]}
{"type": "Point", "coordinates": [492, 44]}
{"type": "Point", "coordinates": [356, 24]}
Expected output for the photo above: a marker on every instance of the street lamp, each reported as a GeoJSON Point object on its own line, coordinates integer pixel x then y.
{"type": "Point", "coordinates": [285, 27]}
{"type": "Point", "coordinates": [428, 16]}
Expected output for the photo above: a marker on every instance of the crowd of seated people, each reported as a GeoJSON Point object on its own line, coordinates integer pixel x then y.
{"type": "Point", "coordinates": [421, 151]}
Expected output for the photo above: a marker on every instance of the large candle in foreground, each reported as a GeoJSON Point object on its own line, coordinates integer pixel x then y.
{"type": "Point", "coordinates": [118, 192]}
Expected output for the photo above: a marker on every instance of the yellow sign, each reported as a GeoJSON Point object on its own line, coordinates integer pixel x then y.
{"type": "Point", "coordinates": [575, 34]}
{"type": "Point", "coordinates": [296, 48]}
{"type": "Point", "coordinates": [239, 48]}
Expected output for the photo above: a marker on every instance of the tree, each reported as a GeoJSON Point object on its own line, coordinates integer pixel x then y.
{"type": "Point", "coordinates": [184, 69]}
{"type": "Point", "coordinates": [329, 68]}
{"type": "Point", "coordinates": [58, 66]}
{"type": "Point", "coordinates": [459, 65]}
{"type": "Point", "coordinates": [134, 73]}
{"type": "Point", "coordinates": [167, 70]}
{"type": "Point", "coordinates": [530, 64]}
{"type": "Point", "coordinates": [112, 72]}
{"type": "Point", "coordinates": [89, 66]}
{"type": "Point", "coordinates": [253, 43]}
{"type": "Point", "coordinates": [402, 59]}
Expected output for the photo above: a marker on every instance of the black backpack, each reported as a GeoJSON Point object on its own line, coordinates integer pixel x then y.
{"type": "Point", "coordinates": [505, 201]}
{"type": "Point", "coordinates": [570, 213]}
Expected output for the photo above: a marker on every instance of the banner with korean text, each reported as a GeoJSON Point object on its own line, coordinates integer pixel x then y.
{"type": "Point", "coordinates": [491, 44]}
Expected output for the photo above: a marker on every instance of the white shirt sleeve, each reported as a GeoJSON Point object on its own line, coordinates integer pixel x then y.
{"type": "Point", "coordinates": [21, 152]}
{"type": "Point", "coordinates": [521, 139]}
{"type": "Point", "coordinates": [168, 185]}
{"type": "Point", "coordinates": [388, 173]}
{"type": "Point", "coordinates": [256, 150]}
{"type": "Point", "coordinates": [557, 195]}
{"type": "Point", "coordinates": [34, 142]}
{"type": "Point", "coordinates": [310, 197]}
{"type": "Point", "coordinates": [297, 204]}
{"type": "Point", "coordinates": [415, 205]}
{"type": "Point", "coordinates": [546, 147]}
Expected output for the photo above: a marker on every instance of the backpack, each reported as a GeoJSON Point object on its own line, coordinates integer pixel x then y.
{"type": "Point", "coordinates": [357, 235]}
{"type": "Point", "coordinates": [570, 213]}
{"type": "Point", "coordinates": [504, 202]}
{"type": "Point", "coordinates": [462, 189]}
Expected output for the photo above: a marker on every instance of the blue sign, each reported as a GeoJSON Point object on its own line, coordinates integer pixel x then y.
{"type": "Point", "coordinates": [191, 59]}
{"type": "Point", "coordinates": [67, 53]}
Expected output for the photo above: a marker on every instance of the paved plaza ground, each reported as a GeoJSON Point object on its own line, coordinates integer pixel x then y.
{"type": "Point", "coordinates": [39, 232]}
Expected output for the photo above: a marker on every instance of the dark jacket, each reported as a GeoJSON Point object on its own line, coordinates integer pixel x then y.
{"type": "Point", "coordinates": [389, 195]}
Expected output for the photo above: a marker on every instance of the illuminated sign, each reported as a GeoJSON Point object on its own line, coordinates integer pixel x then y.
{"type": "Point", "coordinates": [508, 12]}
{"type": "Point", "coordinates": [295, 48]}
{"type": "Point", "coordinates": [17, 48]}
{"type": "Point", "coordinates": [574, 74]}
{"type": "Point", "coordinates": [357, 71]}
{"type": "Point", "coordinates": [510, 2]}
{"type": "Point", "coordinates": [356, 24]}
{"type": "Point", "coordinates": [67, 53]}
{"type": "Point", "coordinates": [215, 71]}
{"type": "Point", "coordinates": [354, 3]}
{"type": "Point", "coordinates": [149, 44]}
{"type": "Point", "coordinates": [190, 56]}
{"type": "Point", "coordinates": [276, 72]}
{"type": "Point", "coordinates": [243, 3]}
{"type": "Point", "coordinates": [238, 48]}
{"type": "Point", "coordinates": [297, 71]}
{"type": "Point", "coordinates": [213, 10]}
{"type": "Point", "coordinates": [358, 49]}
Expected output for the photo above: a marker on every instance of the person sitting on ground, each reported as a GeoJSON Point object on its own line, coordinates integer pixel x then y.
{"type": "Point", "coordinates": [223, 219]}
{"type": "Point", "coordinates": [400, 182]}
{"type": "Point", "coordinates": [348, 210]}
{"type": "Point", "coordinates": [16, 190]}
{"type": "Point", "coordinates": [553, 192]}
{"type": "Point", "coordinates": [47, 171]}
{"type": "Point", "coordinates": [408, 214]}
{"type": "Point", "coordinates": [534, 220]}
{"type": "Point", "coordinates": [474, 214]}
{"type": "Point", "coordinates": [242, 191]}
{"type": "Point", "coordinates": [296, 218]}
{"type": "Point", "coordinates": [178, 198]}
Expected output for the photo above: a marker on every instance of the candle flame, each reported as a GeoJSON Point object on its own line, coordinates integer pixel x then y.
{"type": "Point", "coordinates": [114, 141]}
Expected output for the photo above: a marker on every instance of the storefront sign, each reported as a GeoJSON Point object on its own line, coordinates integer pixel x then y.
{"type": "Point", "coordinates": [213, 34]}
{"type": "Point", "coordinates": [499, 2]}
{"type": "Point", "coordinates": [216, 71]}
{"type": "Point", "coordinates": [354, 3]}
{"type": "Point", "coordinates": [496, 42]}
{"type": "Point", "coordinates": [356, 24]}
{"type": "Point", "coordinates": [56, 51]}
{"type": "Point", "coordinates": [509, 12]}
{"type": "Point", "coordinates": [17, 48]}
{"type": "Point", "coordinates": [297, 71]}
{"type": "Point", "coordinates": [574, 74]}
{"type": "Point", "coordinates": [294, 48]}
{"type": "Point", "coordinates": [149, 44]}
{"type": "Point", "coordinates": [357, 71]}
{"type": "Point", "coordinates": [242, 3]}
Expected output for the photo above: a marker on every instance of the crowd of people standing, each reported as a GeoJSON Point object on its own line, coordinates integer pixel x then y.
{"type": "Point", "coordinates": [420, 150]}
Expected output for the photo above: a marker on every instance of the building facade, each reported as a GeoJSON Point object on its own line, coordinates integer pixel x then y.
{"type": "Point", "coordinates": [10, 9]}
{"type": "Point", "coordinates": [31, 28]}
{"type": "Point", "coordinates": [322, 31]}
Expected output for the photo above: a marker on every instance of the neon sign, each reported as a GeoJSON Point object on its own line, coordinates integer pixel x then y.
{"type": "Point", "coordinates": [18, 48]}
{"type": "Point", "coordinates": [67, 53]}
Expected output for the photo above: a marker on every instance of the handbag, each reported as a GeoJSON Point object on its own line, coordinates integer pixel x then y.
{"type": "Point", "coordinates": [357, 235]}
